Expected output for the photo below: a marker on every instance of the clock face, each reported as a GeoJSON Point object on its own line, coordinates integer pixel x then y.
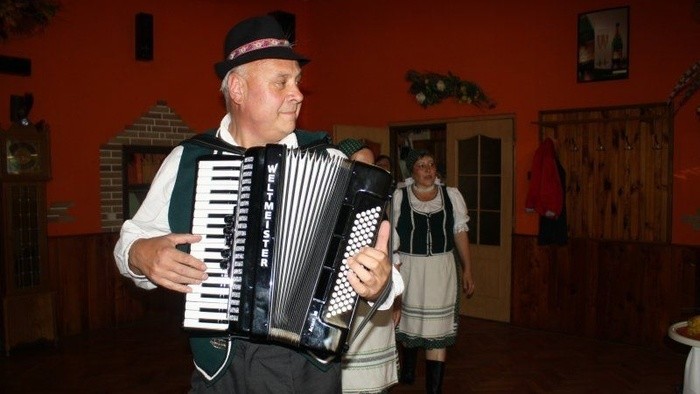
{"type": "Point", "coordinates": [22, 157]}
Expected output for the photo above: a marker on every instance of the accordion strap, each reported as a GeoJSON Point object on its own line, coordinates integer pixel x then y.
{"type": "Point", "coordinates": [212, 142]}
{"type": "Point", "coordinates": [312, 141]}
{"type": "Point", "coordinates": [308, 141]}
{"type": "Point", "coordinates": [382, 297]}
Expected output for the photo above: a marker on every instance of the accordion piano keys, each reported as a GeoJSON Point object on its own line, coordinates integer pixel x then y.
{"type": "Point", "coordinates": [207, 306]}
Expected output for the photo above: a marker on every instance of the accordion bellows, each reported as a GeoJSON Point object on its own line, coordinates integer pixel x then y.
{"type": "Point", "coordinates": [278, 226]}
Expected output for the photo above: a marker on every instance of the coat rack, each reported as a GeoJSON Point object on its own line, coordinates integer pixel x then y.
{"type": "Point", "coordinates": [618, 164]}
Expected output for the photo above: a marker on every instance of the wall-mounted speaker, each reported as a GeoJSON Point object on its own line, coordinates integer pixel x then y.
{"type": "Point", "coordinates": [15, 65]}
{"type": "Point", "coordinates": [17, 108]}
{"type": "Point", "coordinates": [288, 23]}
{"type": "Point", "coordinates": [144, 36]}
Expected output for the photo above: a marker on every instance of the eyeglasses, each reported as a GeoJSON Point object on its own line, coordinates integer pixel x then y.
{"type": "Point", "coordinates": [425, 166]}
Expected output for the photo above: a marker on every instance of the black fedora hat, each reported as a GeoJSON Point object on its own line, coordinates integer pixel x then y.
{"type": "Point", "coordinates": [255, 38]}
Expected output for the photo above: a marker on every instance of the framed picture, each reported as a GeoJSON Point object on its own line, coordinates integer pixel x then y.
{"type": "Point", "coordinates": [603, 45]}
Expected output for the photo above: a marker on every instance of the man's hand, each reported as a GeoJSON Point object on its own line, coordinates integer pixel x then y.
{"type": "Point", "coordinates": [370, 268]}
{"type": "Point", "coordinates": [166, 266]}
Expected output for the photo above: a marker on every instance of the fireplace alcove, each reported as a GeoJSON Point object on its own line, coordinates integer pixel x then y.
{"type": "Point", "coordinates": [150, 137]}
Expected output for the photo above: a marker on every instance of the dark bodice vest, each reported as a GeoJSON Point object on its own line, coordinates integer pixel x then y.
{"type": "Point", "coordinates": [426, 234]}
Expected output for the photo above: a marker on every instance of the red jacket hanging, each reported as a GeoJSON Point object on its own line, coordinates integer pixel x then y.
{"type": "Point", "coordinates": [546, 194]}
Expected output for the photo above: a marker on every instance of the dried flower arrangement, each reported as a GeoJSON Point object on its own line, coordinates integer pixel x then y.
{"type": "Point", "coordinates": [432, 88]}
{"type": "Point", "coordinates": [23, 17]}
{"type": "Point", "coordinates": [687, 85]}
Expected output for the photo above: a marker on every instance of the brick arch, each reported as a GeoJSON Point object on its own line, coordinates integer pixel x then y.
{"type": "Point", "coordinates": [160, 126]}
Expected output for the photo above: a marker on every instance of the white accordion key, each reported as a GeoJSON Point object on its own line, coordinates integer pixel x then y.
{"type": "Point", "coordinates": [197, 323]}
{"type": "Point", "coordinates": [210, 290]}
{"type": "Point", "coordinates": [197, 302]}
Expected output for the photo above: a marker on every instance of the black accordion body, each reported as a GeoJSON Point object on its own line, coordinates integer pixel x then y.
{"type": "Point", "coordinates": [278, 225]}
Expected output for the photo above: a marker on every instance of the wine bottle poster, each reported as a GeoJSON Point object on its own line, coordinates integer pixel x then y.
{"type": "Point", "coordinates": [603, 45]}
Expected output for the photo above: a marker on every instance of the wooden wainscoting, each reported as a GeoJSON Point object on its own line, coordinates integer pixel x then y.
{"type": "Point", "coordinates": [90, 292]}
{"type": "Point", "coordinates": [628, 292]}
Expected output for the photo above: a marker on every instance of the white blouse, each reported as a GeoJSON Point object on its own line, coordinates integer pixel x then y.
{"type": "Point", "coordinates": [459, 206]}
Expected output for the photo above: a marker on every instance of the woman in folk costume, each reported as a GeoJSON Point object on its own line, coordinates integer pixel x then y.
{"type": "Point", "coordinates": [371, 363]}
{"type": "Point", "coordinates": [431, 220]}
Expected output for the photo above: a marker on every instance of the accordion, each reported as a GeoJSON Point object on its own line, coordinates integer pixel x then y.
{"type": "Point", "coordinates": [278, 226]}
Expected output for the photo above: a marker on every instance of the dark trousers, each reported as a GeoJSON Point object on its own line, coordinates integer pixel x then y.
{"type": "Point", "coordinates": [260, 369]}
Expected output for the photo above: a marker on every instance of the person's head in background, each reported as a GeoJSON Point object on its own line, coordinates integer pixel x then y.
{"type": "Point", "coordinates": [384, 162]}
{"type": "Point", "coordinates": [421, 163]}
{"type": "Point", "coordinates": [356, 150]}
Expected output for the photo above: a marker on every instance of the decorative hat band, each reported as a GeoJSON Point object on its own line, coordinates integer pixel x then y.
{"type": "Point", "coordinates": [258, 44]}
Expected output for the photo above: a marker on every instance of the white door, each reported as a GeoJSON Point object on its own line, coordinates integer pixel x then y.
{"type": "Point", "coordinates": [479, 157]}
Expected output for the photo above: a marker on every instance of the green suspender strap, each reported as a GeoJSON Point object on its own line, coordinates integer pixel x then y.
{"type": "Point", "coordinates": [313, 140]}
{"type": "Point", "coordinates": [211, 352]}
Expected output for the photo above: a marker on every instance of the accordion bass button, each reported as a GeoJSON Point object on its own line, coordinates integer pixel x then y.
{"type": "Point", "coordinates": [226, 254]}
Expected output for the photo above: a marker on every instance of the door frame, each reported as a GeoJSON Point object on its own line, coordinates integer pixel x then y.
{"type": "Point", "coordinates": [394, 128]}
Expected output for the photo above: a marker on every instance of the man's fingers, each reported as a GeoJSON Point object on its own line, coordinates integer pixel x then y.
{"type": "Point", "coordinates": [190, 270]}
{"type": "Point", "coordinates": [383, 237]}
{"type": "Point", "coordinates": [368, 258]}
{"type": "Point", "coordinates": [360, 270]}
{"type": "Point", "coordinates": [165, 265]}
{"type": "Point", "coordinates": [178, 239]}
{"type": "Point", "coordinates": [176, 276]}
{"type": "Point", "coordinates": [359, 286]}
{"type": "Point", "coordinates": [182, 257]}
{"type": "Point", "coordinates": [168, 284]}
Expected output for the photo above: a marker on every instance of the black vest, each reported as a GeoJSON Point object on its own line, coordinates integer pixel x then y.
{"type": "Point", "coordinates": [426, 234]}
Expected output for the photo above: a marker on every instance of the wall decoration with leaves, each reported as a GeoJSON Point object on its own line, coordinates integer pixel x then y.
{"type": "Point", "coordinates": [24, 17]}
{"type": "Point", "coordinates": [431, 88]}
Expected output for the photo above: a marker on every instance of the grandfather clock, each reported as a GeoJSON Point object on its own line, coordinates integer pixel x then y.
{"type": "Point", "coordinates": [27, 300]}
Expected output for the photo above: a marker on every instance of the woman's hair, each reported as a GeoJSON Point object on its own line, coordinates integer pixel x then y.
{"type": "Point", "coordinates": [414, 155]}
{"type": "Point", "coordinates": [382, 157]}
{"type": "Point", "coordinates": [350, 146]}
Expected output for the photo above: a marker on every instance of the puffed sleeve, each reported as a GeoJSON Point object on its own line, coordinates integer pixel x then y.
{"type": "Point", "coordinates": [459, 207]}
{"type": "Point", "coordinates": [396, 205]}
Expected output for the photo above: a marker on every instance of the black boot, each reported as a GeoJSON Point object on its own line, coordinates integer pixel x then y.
{"type": "Point", "coordinates": [408, 365]}
{"type": "Point", "coordinates": [434, 371]}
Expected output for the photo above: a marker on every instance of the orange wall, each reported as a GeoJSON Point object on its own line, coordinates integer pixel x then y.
{"type": "Point", "coordinates": [522, 54]}
{"type": "Point", "coordinates": [88, 86]}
